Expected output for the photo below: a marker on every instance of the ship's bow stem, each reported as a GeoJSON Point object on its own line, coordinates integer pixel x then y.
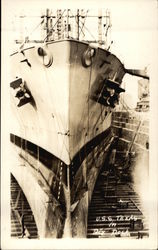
{"type": "Point", "coordinates": [68, 228]}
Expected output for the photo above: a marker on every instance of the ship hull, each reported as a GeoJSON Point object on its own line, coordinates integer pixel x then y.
{"type": "Point", "coordinates": [60, 211]}
{"type": "Point", "coordinates": [63, 116]}
{"type": "Point", "coordinates": [63, 129]}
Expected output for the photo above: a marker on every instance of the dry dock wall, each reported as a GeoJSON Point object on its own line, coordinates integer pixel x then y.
{"type": "Point", "coordinates": [132, 130]}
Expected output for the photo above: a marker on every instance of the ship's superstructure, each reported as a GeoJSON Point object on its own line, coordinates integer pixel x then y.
{"type": "Point", "coordinates": [62, 96]}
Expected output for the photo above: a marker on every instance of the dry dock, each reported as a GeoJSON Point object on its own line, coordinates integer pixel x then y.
{"type": "Point", "coordinates": [117, 206]}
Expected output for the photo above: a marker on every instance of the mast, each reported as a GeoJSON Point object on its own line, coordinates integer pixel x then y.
{"type": "Point", "coordinates": [82, 32]}
{"type": "Point", "coordinates": [107, 27]}
{"type": "Point", "coordinates": [47, 25]}
{"type": "Point", "coordinates": [100, 26]}
{"type": "Point", "coordinates": [59, 25]}
{"type": "Point", "coordinates": [68, 24]}
{"type": "Point", "coordinates": [77, 23]}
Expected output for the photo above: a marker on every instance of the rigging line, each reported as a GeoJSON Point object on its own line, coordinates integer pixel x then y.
{"type": "Point", "coordinates": [26, 39]}
{"type": "Point", "coordinates": [63, 30]}
{"type": "Point", "coordinates": [125, 106]}
{"type": "Point", "coordinates": [99, 96]}
{"type": "Point", "coordinates": [102, 110]}
{"type": "Point", "coordinates": [54, 25]}
{"type": "Point", "coordinates": [75, 16]}
{"type": "Point", "coordinates": [23, 125]}
{"type": "Point", "coordinates": [20, 119]}
{"type": "Point", "coordinates": [89, 82]}
{"type": "Point", "coordinates": [18, 116]}
{"type": "Point", "coordinates": [83, 25]}
{"type": "Point", "coordinates": [52, 101]}
{"type": "Point", "coordinates": [95, 106]}
{"type": "Point", "coordinates": [82, 116]}
{"type": "Point", "coordinates": [99, 118]}
{"type": "Point", "coordinates": [104, 119]}
{"type": "Point", "coordinates": [53, 106]}
{"type": "Point", "coordinates": [84, 108]}
{"type": "Point", "coordinates": [88, 112]}
{"type": "Point", "coordinates": [105, 145]}
{"type": "Point", "coordinates": [81, 30]}
{"type": "Point", "coordinates": [63, 144]}
{"type": "Point", "coordinates": [88, 31]}
{"type": "Point", "coordinates": [100, 115]}
{"type": "Point", "coordinates": [135, 136]}
{"type": "Point", "coordinates": [72, 82]}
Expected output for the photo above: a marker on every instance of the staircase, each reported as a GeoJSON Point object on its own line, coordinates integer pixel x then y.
{"type": "Point", "coordinates": [115, 209]}
{"type": "Point", "coordinates": [26, 227]}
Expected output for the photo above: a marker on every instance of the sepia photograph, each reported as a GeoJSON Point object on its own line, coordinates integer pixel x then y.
{"type": "Point", "coordinates": [79, 140]}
